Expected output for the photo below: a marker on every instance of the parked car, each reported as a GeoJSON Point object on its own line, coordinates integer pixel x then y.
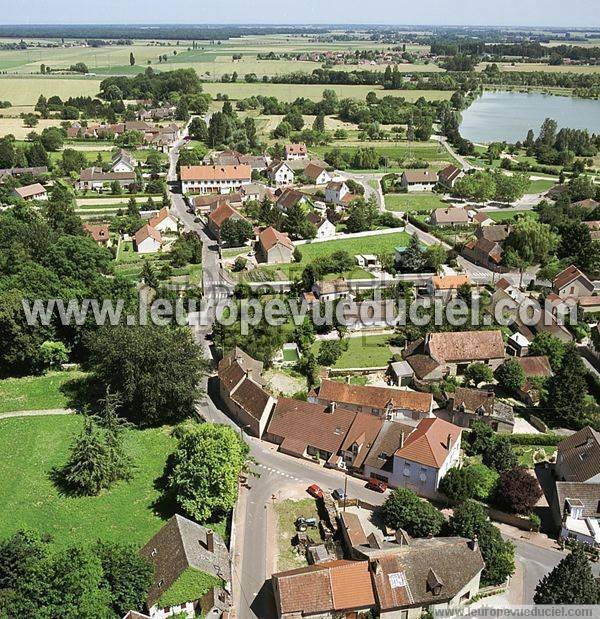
{"type": "Point", "coordinates": [339, 494]}
{"type": "Point", "coordinates": [377, 485]}
{"type": "Point", "coordinates": [315, 491]}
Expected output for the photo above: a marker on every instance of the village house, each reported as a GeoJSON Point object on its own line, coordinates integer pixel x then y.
{"type": "Point", "coordinates": [214, 179]}
{"type": "Point", "coordinates": [496, 233]}
{"type": "Point", "coordinates": [537, 370]}
{"type": "Point", "coordinates": [274, 247]}
{"type": "Point", "coordinates": [325, 229]}
{"type": "Point", "coordinates": [257, 192]}
{"type": "Point", "coordinates": [219, 216]}
{"type": "Point", "coordinates": [233, 157]}
{"type": "Point", "coordinates": [123, 161]}
{"type": "Point", "coordinates": [412, 576]}
{"type": "Point", "coordinates": [296, 151]}
{"type": "Point", "coordinates": [289, 198]}
{"type": "Point", "coordinates": [450, 217]}
{"type": "Point", "coordinates": [449, 175]}
{"type": "Point", "coordinates": [331, 290]}
{"type": "Point", "coordinates": [98, 232]}
{"type": "Point", "coordinates": [386, 402]}
{"type": "Point", "coordinates": [418, 180]}
{"type": "Point", "coordinates": [31, 192]}
{"type": "Point", "coordinates": [209, 202]}
{"type": "Point", "coordinates": [335, 192]}
{"type": "Point", "coordinates": [280, 173]}
{"type": "Point", "coordinates": [572, 283]}
{"type": "Point", "coordinates": [182, 545]}
{"type": "Point", "coordinates": [445, 287]}
{"type": "Point", "coordinates": [370, 315]}
{"type": "Point", "coordinates": [486, 253]}
{"type": "Point", "coordinates": [483, 219]}
{"type": "Point", "coordinates": [17, 172]}
{"type": "Point", "coordinates": [147, 240]}
{"type": "Point", "coordinates": [588, 203]}
{"type": "Point", "coordinates": [96, 179]}
{"type": "Point", "coordinates": [574, 498]}
{"type": "Point", "coordinates": [420, 459]}
{"type": "Point", "coordinates": [466, 406]}
{"type": "Point", "coordinates": [327, 590]}
{"type": "Point", "coordinates": [458, 350]}
{"type": "Point", "coordinates": [242, 392]}
{"type": "Point", "coordinates": [164, 221]}
{"type": "Point", "coordinates": [316, 174]}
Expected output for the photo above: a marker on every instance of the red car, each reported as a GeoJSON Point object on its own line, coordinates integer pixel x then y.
{"type": "Point", "coordinates": [377, 485]}
{"type": "Point", "coordinates": [315, 491]}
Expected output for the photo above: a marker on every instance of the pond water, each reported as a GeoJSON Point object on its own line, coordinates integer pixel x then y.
{"type": "Point", "coordinates": [499, 116]}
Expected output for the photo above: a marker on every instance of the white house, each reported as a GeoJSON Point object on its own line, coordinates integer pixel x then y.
{"type": "Point", "coordinates": [280, 173]}
{"type": "Point", "coordinates": [296, 151]}
{"type": "Point", "coordinates": [325, 229]}
{"type": "Point", "coordinates": [335, 192]}
{"type": "Point", "coordinates": [316, 174]}
{"type": "Point", "coordinates": [422, 458]}
{"type": "Point", "coordinates": [163, 221]}
{"type": "Point", "coordinates": [31, 192]}
{"type": "Point", "coordinates": [331, 290]}
{"type": "Point", "coordinates": [214, 179]}
{"type": "Point", "coordinates": [123, 161]}
{"type": "Point", "coordinates": [419, 180]}
{"type": "Point", "coordinates": [147, 240]}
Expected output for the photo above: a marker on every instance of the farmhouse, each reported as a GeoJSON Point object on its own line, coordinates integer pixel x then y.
{"type": "Point", "coordinates": [296, 151]}
{"type": "Point", "coordinates": [95, 178]}
{"type": "Point", "coordinates": [31, 192]}
{"type": "Point", "coordinates": [449, 175]}
{"type": "Point", "coordinates": [385, 402]}
{"type": "Point", "coordinates": [274, 247]}
{"type": "Point", "coordinates": [419, 180]}
{"type": "Point", "coordinates": [183, 545]}
{"type": "Point", "coordinates": [214, 179]}
{"type": "Point", "coordinates": [147, 240]}
{"type": "Point", "coordinates": [280, 173]}
{"type": "Point", "coordinates": [164, 221]}
{"type": "Point", "coordinates": [316, 174]}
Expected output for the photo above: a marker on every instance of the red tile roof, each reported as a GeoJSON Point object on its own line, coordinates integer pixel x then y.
{"type": "Point", "coordinates": [147, 232]}
{"type": "Point", "coordinates": [213, 173]}
{"type": "Point", "coordinates": [270, 237]}
{"type": "Point", "coordinates": [465, 346]}
{"type": "Point", "coordinates": [428, 444]}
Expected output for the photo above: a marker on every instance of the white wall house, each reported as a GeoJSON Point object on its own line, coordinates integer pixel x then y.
{"type": "Point", "coordinates": [335, 192]}
{"type": "Point", "coordinates": [214, 179]}
{"type": "Point", "coordinates": [419, 180]}
{"type": "Point", "coordinates": [147, 240]}
{"type": "Point", "coordinates": [280, 173]}
{"type": "Point", "coordinates": [164, 221]}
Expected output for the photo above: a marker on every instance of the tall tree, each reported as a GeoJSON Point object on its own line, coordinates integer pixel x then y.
{"type": "Point", "coordinates": [570, 582]}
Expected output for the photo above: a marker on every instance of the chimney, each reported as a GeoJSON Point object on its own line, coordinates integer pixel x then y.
{"type": "Point", "coordinates": [402, 439]}
{"type": "Point", "coordinates": [210, 541]}
{"type": "Point", "coordinates": [332, 408]}
{"type": "Point", "coordinates": [348, 379]}
{"type": "Point", "coordinates": [449, 441]}
{"type": "Point", "coordinates": [473, 543]}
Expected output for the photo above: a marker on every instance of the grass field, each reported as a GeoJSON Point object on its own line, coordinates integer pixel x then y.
{"type": "Point", "coordinates": [409, 202]}
{"type": "Point", "coordinates": [510, 215]}
{"type": "Point", "coordinates": [540, 186]}
{"type": "Point", "coordinates": [289, 92]}
{"type": "Point", "coordinates": [369, 351]}
{"type": "Point", "coordinates": [432, 152]}
{"type": "Point", "coordinates": [287, 512]}
{"type": "Point", "coordinates": [534, 66]}
{"type": "Point", "coordinates": [35, 392]}
{"type": "Point", "coordinates": [33, 446]}
{"type": "Point", "coordinates": [24, 91]}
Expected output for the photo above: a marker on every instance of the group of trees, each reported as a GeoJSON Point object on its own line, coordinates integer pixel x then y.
{"type": "Point", "coordinates": [419, 518]}
{"type": "Point", "coordinates": [482, 186]}
{"type": "Point", "coordinates": [105, 579]}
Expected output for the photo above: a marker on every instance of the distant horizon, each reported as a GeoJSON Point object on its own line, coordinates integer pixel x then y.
{"type": "Point", "coordinates": [438, 13]}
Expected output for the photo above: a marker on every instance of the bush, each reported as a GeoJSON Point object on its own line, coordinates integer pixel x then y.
{"type": "Point", "coordinates": [403, 509]}
{"type": "Point", "coordinates": [536, 521]}
{"type": "Point", "coordinates": [536, 439]}
{"type": "Point", "coordinates": [517, 491]}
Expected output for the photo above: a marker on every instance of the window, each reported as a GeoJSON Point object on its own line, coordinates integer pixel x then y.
{"type": "Point", "coordinates": [465, 596]}
{"type": "Point", "coordinates": [407, 470]}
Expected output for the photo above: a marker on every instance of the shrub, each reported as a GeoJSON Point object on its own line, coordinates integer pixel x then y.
{"type": "Point", "coordinates": [517, 491]}
{"type": "Point", "coordinates": [403, 509]}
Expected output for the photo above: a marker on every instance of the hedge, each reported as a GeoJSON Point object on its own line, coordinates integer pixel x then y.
{"type": "Point", "coordinates": [536, 439]}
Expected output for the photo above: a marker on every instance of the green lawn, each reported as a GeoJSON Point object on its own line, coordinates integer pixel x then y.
{"type": "Point", "coordinates": [510, 215]}
{"type": "Point", "coordinates": [409, 202]}
{"type": "Point", "coordinates": [287, 512]}
{"type": "Point", "coordinates": [33, 446]}
{"type": "Point", "coordinates": [525, 454]}
{"type": "Point", "coordinates": [368, 351]}
{"type": "Point", "coordinates": [35, 392]}
{"type": "Point", "coordinates": [540, 186]}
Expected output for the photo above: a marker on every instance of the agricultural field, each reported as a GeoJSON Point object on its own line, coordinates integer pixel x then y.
{"type": "Point", "coordinates": [510, 215]}
{"type": "Point", "coordinates": [36, 392]}
{"type": "Point", "coordinates": [535, 66]}
{"type": "Point", "coordinates": [23, 92]}
{"type": "Point", "coordinates": [411, 202]}
{"type": "Point", "coordinates": [368, 351]}
{"type": "Point", "coordinates": [33, 446]}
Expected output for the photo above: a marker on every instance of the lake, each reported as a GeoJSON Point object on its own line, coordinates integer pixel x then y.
{"type": "Point", "coordinates": [507, 116]}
